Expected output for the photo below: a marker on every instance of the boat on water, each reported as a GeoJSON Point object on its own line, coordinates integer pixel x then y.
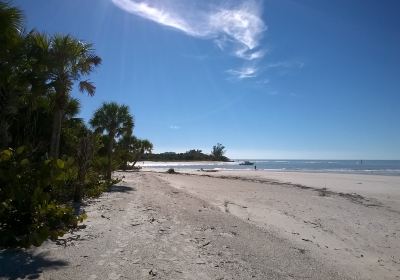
{"type": "Point", "coordinates": [246, 163]}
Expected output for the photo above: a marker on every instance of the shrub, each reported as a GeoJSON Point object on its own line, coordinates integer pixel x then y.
{"type": "Point", "coordinates": [100, 164]}
{"type": "Point", "coordinates": [31, 198]}
{"type": "Point", "coordinates": [95, 187]}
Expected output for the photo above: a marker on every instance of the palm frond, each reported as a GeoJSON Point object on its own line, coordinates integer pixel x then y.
{"type": "Point", "coordinates": [73, 107]}
{"type": "Point", "coordinates": [11, 19]}
{"type": "Point", "coordinates": [87, 86]}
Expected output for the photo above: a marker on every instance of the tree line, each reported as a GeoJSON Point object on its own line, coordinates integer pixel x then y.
{"type": "Point", "coordinates": [50, 158]}
{"type": "Point", "coordinates": [217, 154]}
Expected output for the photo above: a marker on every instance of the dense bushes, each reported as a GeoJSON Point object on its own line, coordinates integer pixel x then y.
{"type": "Point", "coordinates": [31, 194]}
{"type": "Point", "coordinates": [49, 158]}
{"type": "Point", "coordinates": [36, 195]}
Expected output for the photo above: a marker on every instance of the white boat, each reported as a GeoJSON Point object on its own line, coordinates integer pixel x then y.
{"type": "Point", "coordinates": [246, 163]}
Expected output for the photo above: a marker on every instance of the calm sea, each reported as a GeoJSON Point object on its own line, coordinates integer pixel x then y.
{"type": "Point", "coordinates": [382, 167]}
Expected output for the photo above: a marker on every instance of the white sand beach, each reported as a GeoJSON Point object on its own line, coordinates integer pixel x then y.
{"type": "Point", "coordinates": [242, 225]}
{"type": "Point", "coordinates": [349, 220]}
{"type": "Point", "coordinates": [195, 139]}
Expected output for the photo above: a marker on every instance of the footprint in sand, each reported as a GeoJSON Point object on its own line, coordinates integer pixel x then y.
{"type": "Point", "coordinates": [101, 262]}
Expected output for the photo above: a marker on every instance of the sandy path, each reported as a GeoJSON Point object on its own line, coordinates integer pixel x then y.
{"type": "Point", "coordinates": [359, 234]}
{"type": "Point", "coordinates": [145, 229]}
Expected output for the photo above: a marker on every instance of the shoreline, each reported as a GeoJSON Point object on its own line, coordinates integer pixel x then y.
{"type": "Point", "coordinates": [369, 185]}
{"type": "Point", "coordinates": [394, 173]}
{"type": "Point", "coordinates": [273, 166]}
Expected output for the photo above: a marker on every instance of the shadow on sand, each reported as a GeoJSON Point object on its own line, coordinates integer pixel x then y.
{"type": "Point", "coordinates": [16, 264]}
{"type": "Point", "coordinates": [122, 189]}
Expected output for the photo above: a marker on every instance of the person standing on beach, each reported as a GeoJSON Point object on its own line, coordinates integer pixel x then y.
{"type": "Point", "coordinates": [255, 167]}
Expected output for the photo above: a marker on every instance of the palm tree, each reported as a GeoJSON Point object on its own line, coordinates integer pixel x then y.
{"type": "Point", "coordinates": [37, 99]}
{"type": "Point", "coordinates": [142, 147]}
{"type": "Point", "coordinates": [145, 146]}
{"type": "Point", "coordinates": [114, 119]}
{"type": "Point", "coordinates": [71, 61]}
{"type": "Point", "coordinates": [11, 24]}
{"type": "Point", "coordinates": [126, 149]}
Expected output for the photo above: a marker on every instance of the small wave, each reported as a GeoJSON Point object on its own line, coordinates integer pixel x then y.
{"type": "Point", "coordinates": [232, 169]}
{"type": "Point", "coordinates": [274, 169]}
{"type": "Point", "coordinates": [184, 164]}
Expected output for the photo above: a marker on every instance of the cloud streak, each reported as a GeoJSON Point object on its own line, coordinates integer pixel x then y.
{"type": "Point", "coordinates": [233, 25]}
{"type": "Point", "coordinates": [243, 73]}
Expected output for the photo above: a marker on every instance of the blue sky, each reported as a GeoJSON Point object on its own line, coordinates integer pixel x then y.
{"type": "Point", "coordinates": [268, 79]}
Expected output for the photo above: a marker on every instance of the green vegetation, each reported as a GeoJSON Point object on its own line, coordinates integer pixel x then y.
{"type": "Point", "coordinates": [116, 121]}
{"type": "Point", "coordinates": [70, 60]}
{"type": "Point", "coordinates": [50, 159]}
{"type": "Point", "coordinates": [132, 149]}
{"type": "Point", "coordinates": [217, 154]}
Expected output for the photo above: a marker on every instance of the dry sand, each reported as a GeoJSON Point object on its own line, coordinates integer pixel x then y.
{"type": "Point", "coordinates": [166, 226]}
{"type": "Point", "coordinates": [351, 221]}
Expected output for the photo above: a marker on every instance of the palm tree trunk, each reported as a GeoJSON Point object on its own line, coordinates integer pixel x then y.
{"type": "Point", "coordinates": [56, 133]}
{"type": "Point", "coordinates": [109, 154]}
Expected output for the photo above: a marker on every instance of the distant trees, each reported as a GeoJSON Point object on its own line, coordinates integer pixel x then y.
{"type": "Point", "coordinates": [218, 152]}
{"type": "Point", "coordinates": [191, 155]}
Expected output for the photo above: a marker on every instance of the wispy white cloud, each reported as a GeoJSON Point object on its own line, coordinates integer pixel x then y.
{"type": "Point", "coordinates": [156, 13]}
{"type": "Point", "coordinates": [241, 24]}
{"type": "Point", "coordinates": [233, 25]}
{"type": "Point", "coordinates": [243, 73]}
{"type": "Point", "coordinates": [245, 54]}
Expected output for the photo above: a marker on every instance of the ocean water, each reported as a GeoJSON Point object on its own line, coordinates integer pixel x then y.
{"type": "Point", "coordinates": [378, 167]}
